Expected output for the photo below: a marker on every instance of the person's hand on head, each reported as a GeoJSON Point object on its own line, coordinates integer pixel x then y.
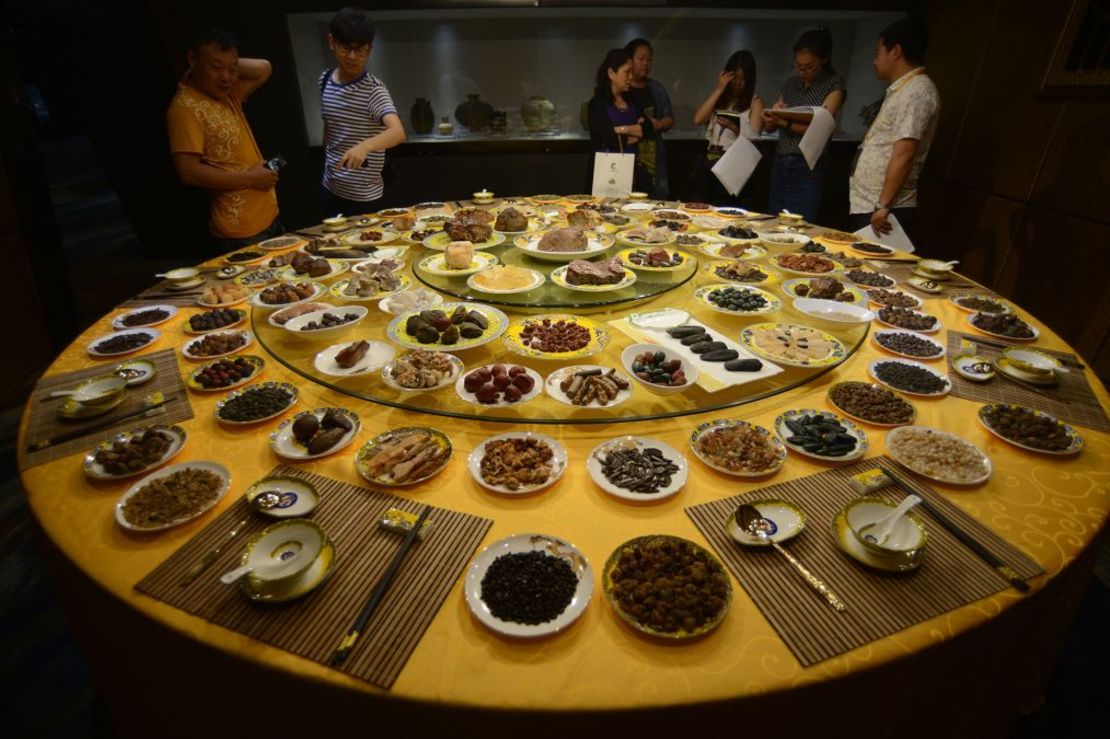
{"type": "Point", "coordinates": [724, 79]}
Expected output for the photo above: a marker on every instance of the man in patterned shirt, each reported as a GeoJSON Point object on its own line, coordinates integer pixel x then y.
{"type": "Point", "coordinates": [893, 152]}
{"type": "Point", "coordinates": [212, 143]}
{"type": "Point", "coordinates": [360, 120]}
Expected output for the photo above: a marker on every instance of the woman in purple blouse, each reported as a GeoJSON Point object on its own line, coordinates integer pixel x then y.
{"type": "Point", "coordinates": [615, 122]}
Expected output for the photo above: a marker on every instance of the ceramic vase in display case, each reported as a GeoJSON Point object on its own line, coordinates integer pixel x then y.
{"type": "Point", "coordinates": [538, 113]}
{"type": "Point", "coordinates": [423, 118]}
{"type": "Point", "coordinates": [474, 114]}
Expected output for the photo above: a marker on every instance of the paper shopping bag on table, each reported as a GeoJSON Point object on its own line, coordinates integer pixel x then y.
{"type": "Point", "coordinates": [613, 174]}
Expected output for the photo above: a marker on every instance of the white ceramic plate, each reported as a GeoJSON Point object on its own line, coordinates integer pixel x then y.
{"type": "Point", "coordinates": [217, 469]}
{"type": "Point", "coordinates": [292, 391]}
{"type": "Point", "coordinates": [918, 302]}
{"type": "Point", "coordinates": [376, 357]}
{"type": "Point", "coordinates": [559, 277]}
{"type": "Point", "coordinates": [473, 282]}
{"type": "Point", "coordinates": [118, 321]}
{"type": "Point", "coordinates": [851, 429]}
{"type": "Point", "coordinates": [186, 349]}
{"type": "Point", "coordinates": [787, 521]}
{"type": "Point", "coordinates": [601, 451]}
{"type": "Point", "coordinates": [896, 331]}
{"type": "Point", "coordinates": [556, 378]}
{"type": "Point", "coordinates": [702, 295]}
{"type": "Point", "coordinates": [256, 298]}
{"type": "Point", "coordinates": [971, 322]}
{"type": "Point", "coordinates": [295, 326]}
{"type": "Point", "coordinates": [894, 435]}
{"type": "Point", "coordinates": [336, 267]}
{"type": "Point", "coordinates": [337, 290]}
{"type": "Point", "coordinates": [457, 368]}
{"type": "Point", "coordinates": [96, 471]}
{"type": "Point", "coordinates": [193, 332]}
{"type": "Point", "coordinates": [436, 264]}
{"type": "Point", "coordinates": [285, 445]}
{"type": "Point", "coordinates": [469, 397]}
{"type": "Point", "coordinates": [427, 298]}
{"type": "Point", "coordinates": [937, 326]}
{"type": "Point", "coordinates": [595, 244]}
{"type": "Point", "coordinates": [273, 318]}
{"type": "Point", "coordinates": [1076, 441]}
{"type": "Point", "coordinates": [552, 546]}
{"type": "Point", "coordinates": [558, 462]}
{"type": "Point", "coordinates": [711, 426]}
{"type": "Point", "coordinates": [910, 363]}
{"type": "Point", "coordinates": [713, 248]}
{"type": "Point", "coordinates": [153, 333]}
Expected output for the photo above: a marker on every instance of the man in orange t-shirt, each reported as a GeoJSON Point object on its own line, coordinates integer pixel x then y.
{"type": "Point", "coordinates": [212, 143]}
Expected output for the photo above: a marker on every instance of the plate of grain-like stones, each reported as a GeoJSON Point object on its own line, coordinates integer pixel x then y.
{"type": "Point", "coordinates": [529, 586]}
{"type": "Point", "coordinates": [637, 468]}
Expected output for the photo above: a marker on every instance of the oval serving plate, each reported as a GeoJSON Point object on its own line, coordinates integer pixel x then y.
{"type": "Point", "coordinates": [836, 351]}
{"type": "Point", "coordinates": [596, 243]}
{"type": "Point", "coordinates": [595, 460]}
{"type": "Point", "coordinates": [555, 379]}
{"type": "Point", "coordinates": [457, 368]}
{"type": "Point", "coordinates": [497, 320]}
{"type": "Point", "coordinates": [559, 277]}
{"type": "Point", "coordinates": [367, 450]}
{"type": "Point", "coordinates": [153, 334]}
{"type": "Point", "coordinates": [1076, 440]}
{"type": "Point", "coordinates": [474, 283]}
{"type": "Point", "coordinates": [187, 352]}
{"type": "Point", "coordinates": [910, 363]}
{"type": "Point", "coordinates": [118, 321]}
{"type": "Point", "coordinates": [626, 254]}
{"type": "Point", "coordinates": [192, 383]}
{"type": "Point", "coordinates": [722, 423]}
{"type": "Point", "coordinates": [521, 543]}
{"type": "Point", "coordinates": [469, 397]}
{"type": "Point", "coordinates": [436, 264]}
{"type": "Point", "coordinates": [608, 588]}
{"type": "Point", "coordinates": [377, 356]}
{"type": "Point", "coordinates": [861, 419]}
{"type": "Point", "coordinates": [702, 295]}
{"type": "Point", "coordinates": [283, 443]}
{"type": "Point", "coordinates": [439, 241]}
{"type": "Point", "coordinates": [895, 331]}
{"type": "Point", "coordinates": [289, 388]}
{"type": "Point", "coordinates": [558, 463]}
{"type": "Point", "coordinates": [897, 456]}
{"type": "Point", "coordinates": [96, 471]}
{"type": "Point", "coordinates": [858, 295]}
{"type": "Point", "coordinates": [337, 290]}
{"type": "Point", "coordinates": [193, 332]}
{"type": "Point", "coordinates": [788, 436]}
{"type": "Point", "coordinates": [599, 338]}
{"type": "Point", "coordinates": [221, 490]}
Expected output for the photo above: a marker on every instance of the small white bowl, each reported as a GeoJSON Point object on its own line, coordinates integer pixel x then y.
{"type": "Point", "coordinates": [907, 537]}
{"type": "Point", "coordinates": [182, 275]}
{"type": "Point", "coordinates": [628, 356]}
{"type": "Point", "coordinates": [833, 313]}
{"type": "Point", "coordinates": [1033, 361]}
{"type": "Point", "coordinates": [283, 551]}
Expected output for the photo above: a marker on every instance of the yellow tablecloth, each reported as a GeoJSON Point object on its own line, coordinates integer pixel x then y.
{"type": "Point", "coordinates": [1050, 507]}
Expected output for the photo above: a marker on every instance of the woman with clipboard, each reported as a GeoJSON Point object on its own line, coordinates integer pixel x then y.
{"type": "Point", "coordinates": [731, 110]}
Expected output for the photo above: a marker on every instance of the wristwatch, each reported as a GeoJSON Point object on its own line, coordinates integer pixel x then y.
{"type": "Point", "coordinates": [880, 206]}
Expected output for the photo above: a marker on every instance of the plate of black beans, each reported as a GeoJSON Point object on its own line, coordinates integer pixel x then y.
{"type": "Point", "coordinates": [910, 377]}
{"type": "Point", "coordinates": [529, 585]}
{"type": "Point", "coordinates": [256, 403]}
{"type": "Point", "coordinates": [908, 344]}
{"type": "Point", "coordinates": [122, 342]}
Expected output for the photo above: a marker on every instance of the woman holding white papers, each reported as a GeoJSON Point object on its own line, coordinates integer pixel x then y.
{"type": "Point", "coordinates": [731, 110]}
{"type": "Point", "coordinates": [795, 186]}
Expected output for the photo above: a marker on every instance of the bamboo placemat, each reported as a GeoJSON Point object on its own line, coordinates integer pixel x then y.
{"type": "Point", "coordinates": [903, 271]}
{"type": "Point", "coordinates": [314, 625]}
{"type": "Point", "coordinates": [162, 294]}
{"type": "Point", "coordinates": [879, 604]}
{"type": "Point", "coordinates": [45, 423]}
{"type": "Point", "coordinates": [1070, 400]}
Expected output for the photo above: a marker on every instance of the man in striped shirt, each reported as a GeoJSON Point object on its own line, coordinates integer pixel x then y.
{"type": "Point", "coordinates": [360, 120]}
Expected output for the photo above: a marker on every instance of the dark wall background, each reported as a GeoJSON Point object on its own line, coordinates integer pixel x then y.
{"type": "Point", "coordinates": [1019, 183]}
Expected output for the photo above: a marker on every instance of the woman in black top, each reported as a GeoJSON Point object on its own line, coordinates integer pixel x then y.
{"type": "Point", "coordinates": [794, 186]}
{"type": "Point", "coordinates": [616, 125]}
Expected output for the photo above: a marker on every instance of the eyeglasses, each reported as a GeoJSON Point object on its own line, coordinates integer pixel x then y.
{"type": "Point", "coordinates": [808, 68]}
{"type": "Point", "coordinates": [363, 50]}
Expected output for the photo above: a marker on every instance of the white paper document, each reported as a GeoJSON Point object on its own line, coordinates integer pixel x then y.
{"type": "Point", "coordinates": [820, 130]}
{"type": "Point", "coordinates": [736, 165]}
{"type": "Point", "coordinates": [613, 174]}
{"type": "Point", "coordinates": [897, 239]}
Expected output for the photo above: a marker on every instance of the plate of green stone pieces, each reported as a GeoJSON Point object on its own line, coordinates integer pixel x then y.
{"type": "Point", "coordinates": [529, 586]}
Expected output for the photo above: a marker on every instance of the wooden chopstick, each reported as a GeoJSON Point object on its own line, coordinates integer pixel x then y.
{"type": "Point", "coordinates": [376, 595]}
{"type": "Point", "coordinates": [984, 554]}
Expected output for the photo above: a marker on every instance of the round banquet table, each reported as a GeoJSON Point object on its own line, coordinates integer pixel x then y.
{"type": "Point", "coordinates": [968, 672]}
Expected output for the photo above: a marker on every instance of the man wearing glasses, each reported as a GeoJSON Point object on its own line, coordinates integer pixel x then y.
{"type": "Point", "coordinates": [360, 120]}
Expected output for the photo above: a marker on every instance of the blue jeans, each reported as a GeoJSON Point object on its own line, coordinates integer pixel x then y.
{"type": "Point", "coordinates": [224, 245]}
{"type": "Point", "coordinates": [796, 188]}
